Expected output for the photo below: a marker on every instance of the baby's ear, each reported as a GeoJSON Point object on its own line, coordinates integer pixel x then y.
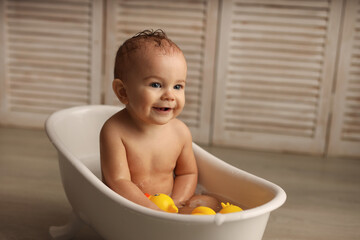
{"type": "Point", "coordinates": [120, 91]}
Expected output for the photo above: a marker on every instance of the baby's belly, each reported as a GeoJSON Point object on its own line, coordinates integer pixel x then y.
{"type": "Point", "coordinates": [155, 184]}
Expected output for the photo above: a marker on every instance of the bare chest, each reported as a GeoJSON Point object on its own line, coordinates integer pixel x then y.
{"type": "Point", "coordinates": [152, 157]}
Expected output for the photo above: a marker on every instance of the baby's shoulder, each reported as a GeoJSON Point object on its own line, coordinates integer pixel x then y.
{"type": "Point", "coordinates": [114, 125]}
{"type": "Point", "coordinates": [181, 129]}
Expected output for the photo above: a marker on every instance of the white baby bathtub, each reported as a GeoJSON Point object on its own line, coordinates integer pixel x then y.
{"type": "Point", "coordinates": [75, 134]}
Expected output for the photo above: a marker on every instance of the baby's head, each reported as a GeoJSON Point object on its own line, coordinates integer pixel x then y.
{"type": "Point", "coordinates": [141, 43]}
{"type": "Point", "coordinates": [149, 76]}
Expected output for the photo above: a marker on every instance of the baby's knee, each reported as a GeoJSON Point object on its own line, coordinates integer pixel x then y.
{"type": "Point", "coordinates": [206, 201]}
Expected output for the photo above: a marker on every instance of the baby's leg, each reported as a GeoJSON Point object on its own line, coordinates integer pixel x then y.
{"type": "Point", "coordinates": [201, 200]}
{"type": "Point", "coordinates": [206, 201]}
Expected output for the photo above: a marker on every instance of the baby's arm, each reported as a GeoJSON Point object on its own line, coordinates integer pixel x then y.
{"type": "Point", "coordinates": [186, 173]}
{"type": "Point", "coordinates": [115, 169]}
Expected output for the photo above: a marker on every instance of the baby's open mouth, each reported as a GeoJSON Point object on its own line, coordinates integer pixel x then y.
{"type": "Point", "coordinates": [165, 109]}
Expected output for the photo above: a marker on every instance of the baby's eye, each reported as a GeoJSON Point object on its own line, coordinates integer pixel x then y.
{"type": "Point", "coordinates": [178, 87]}
{"type": "Point", "coordinates": [155, 85]}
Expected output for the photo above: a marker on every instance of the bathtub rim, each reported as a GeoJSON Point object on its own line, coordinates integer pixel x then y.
{"type": "Point", "coordinates": [50, 128]}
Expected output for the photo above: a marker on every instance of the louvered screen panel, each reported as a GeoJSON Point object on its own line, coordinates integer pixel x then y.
{"type": "Point", "coordinates": [345, 130]}
{"type": "Point", "coordinates": [51, 57]}
{"type": "Point", "coordinates": [187, 24]}
{"type": "Point", "coordinates": [275, 74]}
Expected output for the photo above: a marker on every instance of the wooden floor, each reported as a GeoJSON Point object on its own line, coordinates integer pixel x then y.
{"type": "Point", "coordinates": [323, 194]}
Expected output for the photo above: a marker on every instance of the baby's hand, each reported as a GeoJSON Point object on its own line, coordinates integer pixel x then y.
{"type": "Point", "coordinates": [179, 203]}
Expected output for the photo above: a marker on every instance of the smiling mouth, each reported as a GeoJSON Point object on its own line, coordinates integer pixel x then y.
{"type": "Point", "coordinates": [162, 109]}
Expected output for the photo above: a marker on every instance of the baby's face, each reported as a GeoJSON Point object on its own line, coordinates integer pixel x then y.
{"type": "Point", "coordinates": [155, 86]}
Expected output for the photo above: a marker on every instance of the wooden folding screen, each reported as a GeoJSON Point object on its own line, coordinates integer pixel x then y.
{"type": "Point", "coordinates": [345, 124]}
{"type": "Point", "coordinates": [276, 64]}
{"type": "Point", "coordinates": [269, 68]}
{"type": "Point", "coordinates": [50, 55]}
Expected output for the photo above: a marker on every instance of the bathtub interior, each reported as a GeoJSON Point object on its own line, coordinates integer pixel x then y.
{"type": "Point", "coordinates": [232, 184]}
{"type": "Point", "coordinates": [76, 132]}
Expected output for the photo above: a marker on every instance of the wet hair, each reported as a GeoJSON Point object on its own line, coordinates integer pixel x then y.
{"type": "Point", "coordinates": [148, 38]}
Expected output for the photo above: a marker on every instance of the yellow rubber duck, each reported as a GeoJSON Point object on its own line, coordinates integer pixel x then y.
{"type": "Point", "coordinates": [164, 202]}
{"type": "Point", "coordinates": [229, 208]}
{"type": "Point", "coordinates": [203, 211]}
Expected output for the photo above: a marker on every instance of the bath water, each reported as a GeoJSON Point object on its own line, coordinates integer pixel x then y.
{"type": "Point", "coordinates": [93, 163]}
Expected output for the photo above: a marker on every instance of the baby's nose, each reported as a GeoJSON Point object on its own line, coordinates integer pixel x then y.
{"type": "Point", "coordinates": [167, 96]}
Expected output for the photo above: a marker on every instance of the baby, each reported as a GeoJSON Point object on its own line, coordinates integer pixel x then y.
{"type": "Point", "coordinates": [144, 148]}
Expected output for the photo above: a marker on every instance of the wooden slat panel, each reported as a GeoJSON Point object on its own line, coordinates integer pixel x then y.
{"type": "Point", "coordinates": [276, 66]}
{"type": "Point", "coordinates": [41, 59]}
{"type": "Point", "coordinates": [187, 24]}
{"type": "Point", "coordinates": [50, 56]}
{"type": "Point", "coordinates": [271, 77]}
{"type": "Point", "coordinates": [345, 129]}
